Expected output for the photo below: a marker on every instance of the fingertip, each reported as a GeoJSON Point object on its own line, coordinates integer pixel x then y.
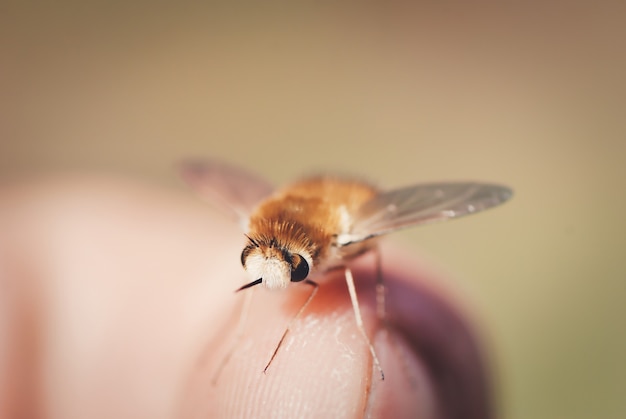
{"type": "Point", "coordinates": [431, 359]}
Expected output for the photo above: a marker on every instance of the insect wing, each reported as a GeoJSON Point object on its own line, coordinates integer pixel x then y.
{"type": "Point", "coordinates": [232, 190]}
{"type": "Point", "coordinates": [421, 204]}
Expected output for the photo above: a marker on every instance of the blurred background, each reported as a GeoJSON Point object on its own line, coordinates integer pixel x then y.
{"type": "Point", "coordinates": [528, 94]}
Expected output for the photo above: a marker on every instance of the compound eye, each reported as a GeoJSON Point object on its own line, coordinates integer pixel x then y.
{"type": "Point", "coordinates": [244, 255]}
{"type": "Point", "coordinates": [299, 268]}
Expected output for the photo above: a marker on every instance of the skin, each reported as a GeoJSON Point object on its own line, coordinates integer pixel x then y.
{"type": "Point", "coordinates": [117, 300]}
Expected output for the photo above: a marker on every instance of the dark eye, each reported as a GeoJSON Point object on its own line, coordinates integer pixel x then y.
{"type": "Point", "coordinates": [244, 255]}
{"type": "Point", "coordinates": [299, 268]}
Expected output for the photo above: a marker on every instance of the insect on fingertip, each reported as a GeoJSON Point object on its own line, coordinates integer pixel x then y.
{"type": "Point", "coordinates": [321, 223]}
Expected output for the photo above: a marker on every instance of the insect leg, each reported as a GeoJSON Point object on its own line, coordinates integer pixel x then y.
{"type": "Point", "coordinates": [380, 286]}
{"type": "Point", "coordinates": [243, 317]}
{"type": "Point", "coordinates": [359, 319]}
{"type": "Point", "coordinates": [298, 314]}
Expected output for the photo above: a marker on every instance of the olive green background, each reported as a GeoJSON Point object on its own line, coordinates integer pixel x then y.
{"type": "Point", "coordinates": [531, 95]}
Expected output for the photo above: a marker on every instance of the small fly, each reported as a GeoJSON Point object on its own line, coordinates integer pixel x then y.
{"type": "Point", "coordinates": [320, 223]}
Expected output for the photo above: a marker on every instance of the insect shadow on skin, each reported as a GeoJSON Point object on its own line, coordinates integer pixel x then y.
{"type": "Point", "coordinates": [318, 225]}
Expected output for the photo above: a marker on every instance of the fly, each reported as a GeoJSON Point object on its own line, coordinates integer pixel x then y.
{"type": "Point", "coordinates": [321, 223]}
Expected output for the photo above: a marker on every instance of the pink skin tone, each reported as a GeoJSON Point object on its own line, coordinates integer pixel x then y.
{"type": "Point", "coordinates": [117, 300]}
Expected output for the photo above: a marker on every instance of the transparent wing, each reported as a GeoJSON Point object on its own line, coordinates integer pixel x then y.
{"type": "Point", "coordinates": [421, 204]}
{"type": "Point", "coordinates": [232, 190]}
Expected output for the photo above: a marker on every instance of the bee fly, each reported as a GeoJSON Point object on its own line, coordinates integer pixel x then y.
{"type": "Point", "coordinates": [320, 223]}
